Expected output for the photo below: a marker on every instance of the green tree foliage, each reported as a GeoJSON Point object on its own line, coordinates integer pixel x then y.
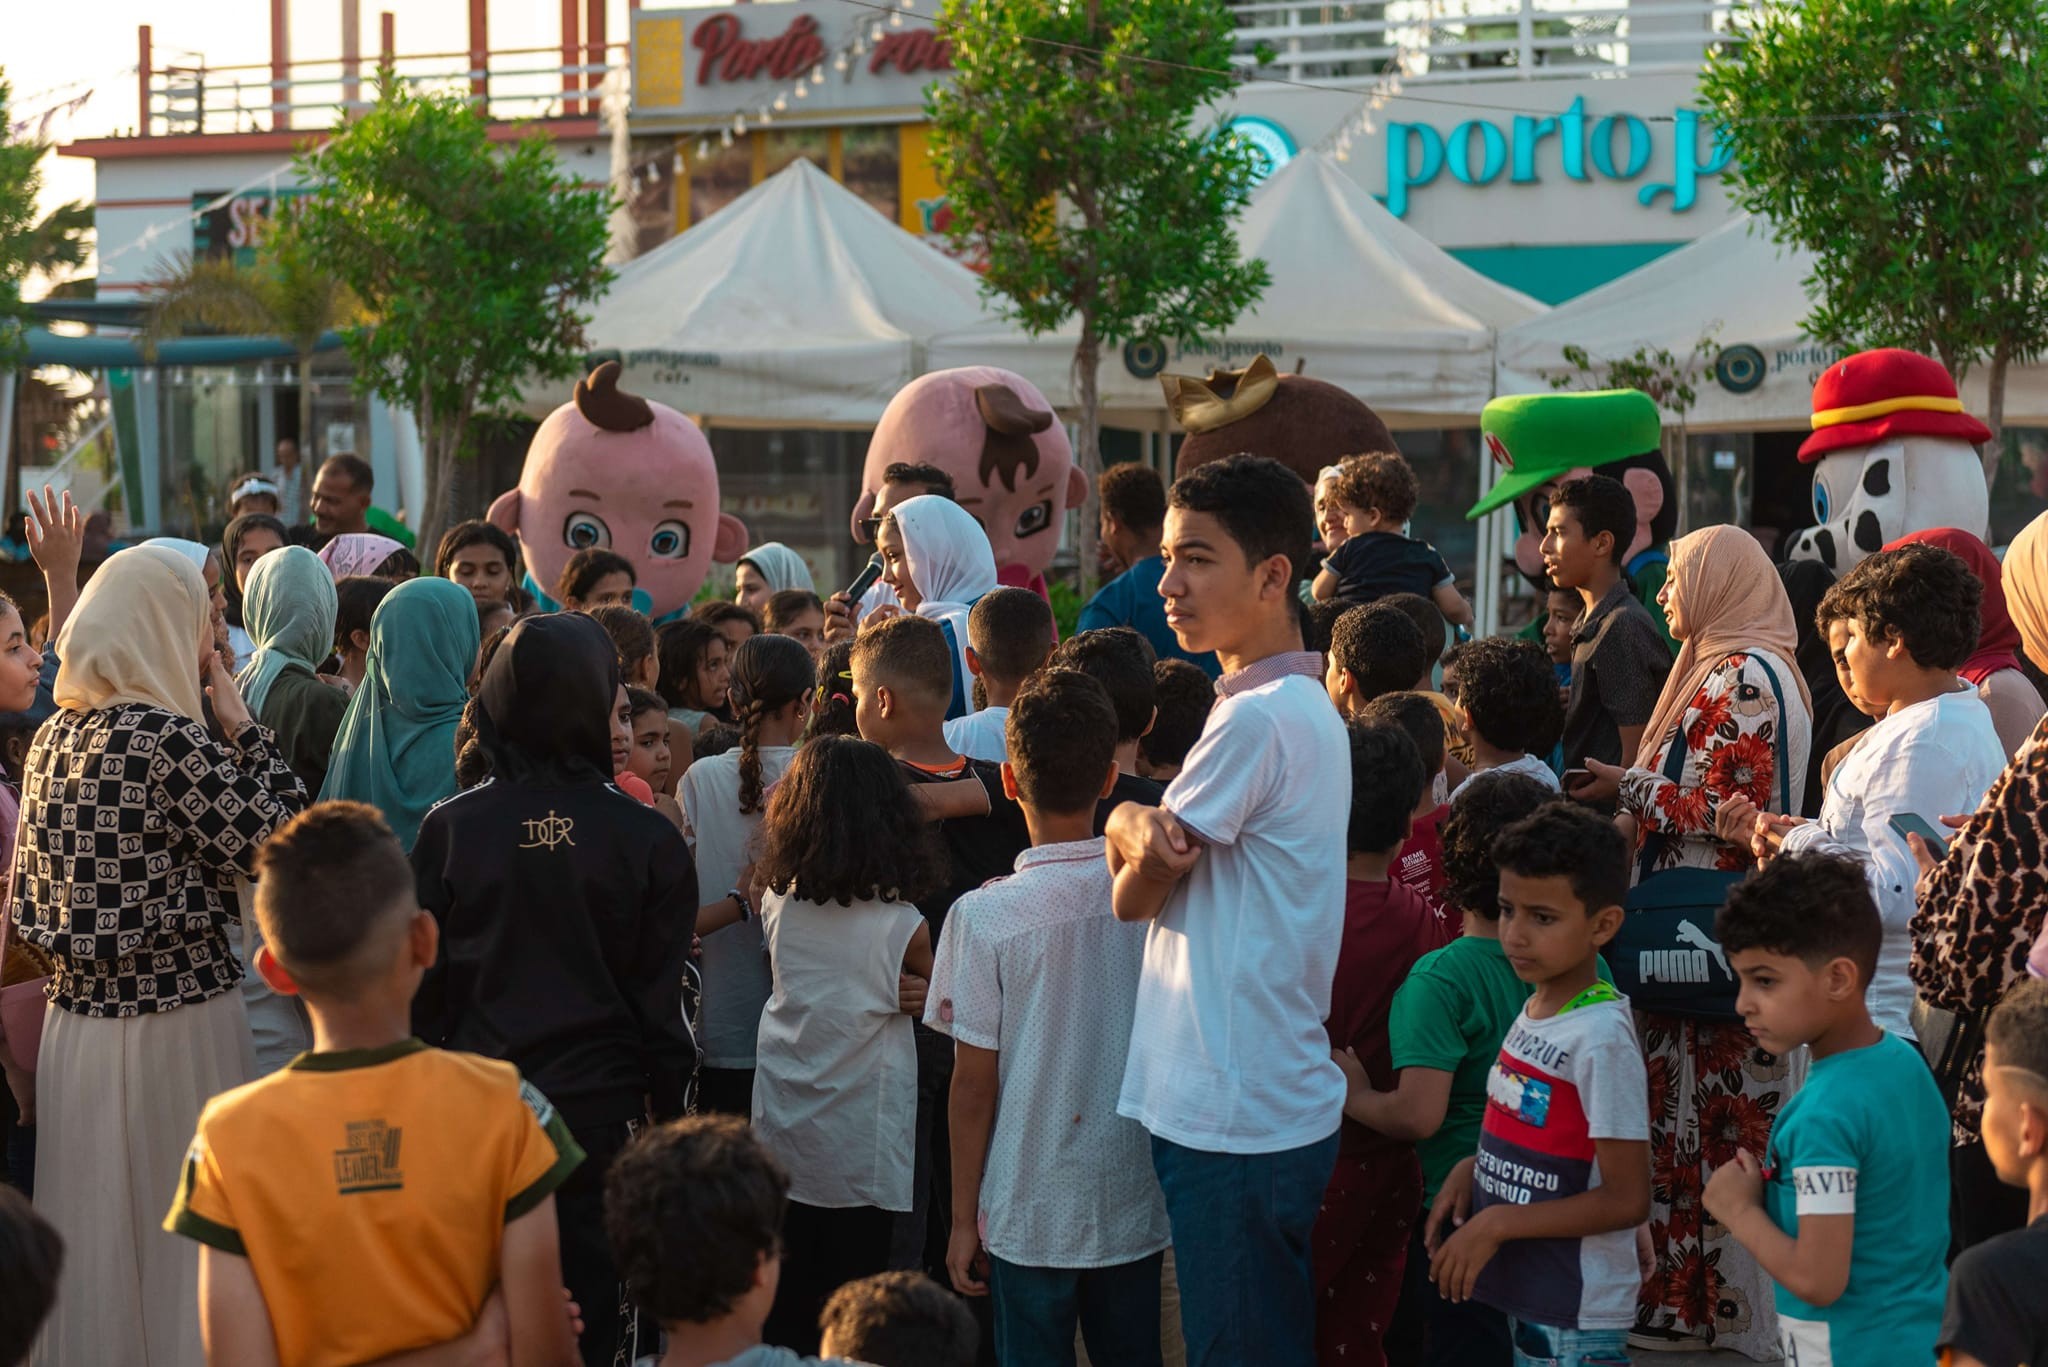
{"type": "Point", "coordinates": [1925, 211]}
{"type": "Point", "coordinates": [286, 293]}
{"type": "Point", "coordinates": [1078, 150]}
{"type": "Point", "coordinates": [29, 245]}
{"type": "Point", "coordinates": [474, 260]}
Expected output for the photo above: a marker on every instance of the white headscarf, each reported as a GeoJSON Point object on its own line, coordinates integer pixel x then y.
{"type": "Point", "coordinates": [191, 550]}
{"type": "Point", "coordinates": [948, 559]}
{"type": "Point", "coordinates": [779, 567]}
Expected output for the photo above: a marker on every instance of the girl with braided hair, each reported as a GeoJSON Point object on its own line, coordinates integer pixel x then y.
{"type": "Point", "coordinates": [724, 797]}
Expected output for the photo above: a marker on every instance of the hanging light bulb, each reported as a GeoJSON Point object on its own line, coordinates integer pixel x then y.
{"type": "Point", "coordinates": [896, 18]}
{"type": "Point", "coordinates": [725, 138]}
{"type": "Point", "coordinates": [781, 103]}
{"type": "Point", "coordinates": [739, 124]}
{"type": "Point", "coordinates": [818, 73]}
{"type": "Point", "coordinates": [703, 148]}
{"type": "Point", "coordinates": [803, 90]}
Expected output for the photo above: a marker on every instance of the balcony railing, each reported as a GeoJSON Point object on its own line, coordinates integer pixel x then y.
{"type": "Point", "coordinates": [1476, 40]}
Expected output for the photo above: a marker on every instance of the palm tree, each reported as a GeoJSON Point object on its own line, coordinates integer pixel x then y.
{"type": "Point", "coordinates": [284, 294]}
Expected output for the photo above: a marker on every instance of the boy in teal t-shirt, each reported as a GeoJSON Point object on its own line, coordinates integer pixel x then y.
{"type": "Point", "coordinates": [1848, 1208]}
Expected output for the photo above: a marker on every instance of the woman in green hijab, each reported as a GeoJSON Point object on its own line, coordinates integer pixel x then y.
{"type": "Point", "coordinates": [288, 611]}
{"type": "Point", "coordinates": [396, 750]}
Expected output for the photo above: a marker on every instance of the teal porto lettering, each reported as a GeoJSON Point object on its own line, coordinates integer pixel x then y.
{"type": "Point", "coordinates": [1617, 147]}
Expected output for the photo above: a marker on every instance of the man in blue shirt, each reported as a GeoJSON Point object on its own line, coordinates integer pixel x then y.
{"type": "Point", "coordinates": [1133, 516]}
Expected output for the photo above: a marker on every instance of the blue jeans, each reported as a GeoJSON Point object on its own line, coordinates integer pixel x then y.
{"type": "Point", "coordinates": [1545, 1345]}
{"type": "Point", "coordinates": [1241, 1225]}
{"type": "Point", "coordinates": [1038, 1307]}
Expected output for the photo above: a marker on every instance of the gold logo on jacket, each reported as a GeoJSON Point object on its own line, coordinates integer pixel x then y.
{"type": "Point", "coordinates": [545, 833]}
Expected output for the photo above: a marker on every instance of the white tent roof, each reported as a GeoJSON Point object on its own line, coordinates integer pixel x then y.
{"type": "Point", "coordinates": [797, 305]}
{"type": "Point", "coordinates": [1357, 298]}
{"type": "Point", "coordinates": [1750, 291]}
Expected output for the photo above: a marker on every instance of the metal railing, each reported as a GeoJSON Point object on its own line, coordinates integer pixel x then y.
{"type": "Point", "coordinates": [1477, 40]}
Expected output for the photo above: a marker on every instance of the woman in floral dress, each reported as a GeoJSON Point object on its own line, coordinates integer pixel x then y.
{"type": "Point", "coordinates": [1734, 702]}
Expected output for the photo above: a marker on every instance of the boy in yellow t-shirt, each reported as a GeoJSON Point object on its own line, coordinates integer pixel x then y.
{"type": "Point", "coordinates": [376, 1196]}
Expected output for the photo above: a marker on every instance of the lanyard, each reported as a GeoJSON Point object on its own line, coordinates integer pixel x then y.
{"type": "Point", "coordinates": [1598, 992]}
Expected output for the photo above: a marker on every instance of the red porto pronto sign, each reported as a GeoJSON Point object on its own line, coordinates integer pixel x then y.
{"type": "Point", "coordinates": [727, 54]}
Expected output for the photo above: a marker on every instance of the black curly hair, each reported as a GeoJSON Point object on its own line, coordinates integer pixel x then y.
{"type": "Point", "coordinates": [1509, 690]}
{"type": "Point", "coordinates": [842, 827]}
{"type": "Point", "coordinates": [1062, 734]}
{"type": "Point", "coordinates": [690, 1209]}
{"type": "Point", "coordinates": [1185, 695]}
{"type": "Point", "coordinates": [1921, 595]}
{"type": "Point", "coordinates": [1380, 647]}
{"type": "Point", "coordinates": [1480, 812]}
{"type": "Point", "coordinates": [1811, 907]}
{"type": "Point", "coordinates": [1121, 661]}
{"type": "Point", "coordinates": [1386, 784]}
{"type": "Point", "coordinates": [1561, 839]}
{"type": "Point", "coordinates": [1381, 482]}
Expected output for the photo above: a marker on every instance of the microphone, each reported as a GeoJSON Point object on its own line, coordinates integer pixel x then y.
{"type": "Point", "coordinates": [865, 580]}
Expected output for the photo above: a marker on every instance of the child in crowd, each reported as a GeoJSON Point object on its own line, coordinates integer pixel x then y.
{"type": "Point", "coordinates": [1436, 644]}
{"type": "Point", "coordinates": [800, 615]}
{"type": "Point", "coordinates": [355, 602]}
{"type": "Point", "coordinates": [1996, 1316]}
{"type": "Point", "coordinates": [715, 739]}
{"type": "Point", "coordinates": [1420, 862]}
{"type": "Point", "coordinates": [735, 623]}
{"type": "Point", "coordinates": [595, 576]}
{"type": "Point", "coordinates": [1234, 870]}
{"type": "Point", "coordinates": [629, 782]}
{"type": "Point", "coordinates": [723, 800]}
{"type": "Point", "coordinates": [1376, 494]}
{"type": "Point", "coordinates": [1445, 1029]}
{"type": "Point", "coordinates": [832, 709]}
{"type": "Point", "coordinates": [899, 1319]}
{"type": "Point", "coordinates": [694, 1212]}
{"type": "Point", "coordinates": [1183, 694]}
{"type": "Point", "coordinates": [1540, 1224]}
{"type": "Point", "coordinates": [633, 635]}
{"type": "Point", "coordinates": [1508, 707]}
{"type": "Point", "coordinates": [480, 556]}
{"type": "Point", "coordinates": [31, 1260]}
{"type": "Point", "coordinates": [1899, 625]}
{"type": "Point", "coordinates": [695, 670]}
{"type": "Point", "coordinates": [1009, 634]}
{"type": "Point", "coordinates": [902, 687]}
{"type": "Point", "coordinates": [1319, 623]}
{"type": "Point", "coordinates": [1847, 1208]}
{"type": "Point", "coordinates": [1373, 651]}
{"type": "Point", "coordinates": [1619, 657]}
{"type": "Point", "coordinates": [1035, 980]}
{"type": "Point", "coordinates": [1121, 660]}
{"type": "Point", "coordinates": [835, 1089]}
{"type": "Point", "coordinates": [564, 951]}
{"type": "Point", "coordinates": [1375, 1194]}
{"type": "Point", "coordinates": [1563, 611]}
{"type": "Point", "coordinates": [297, 1184]}
{"type": "Point", "coordinates": [651, 758]}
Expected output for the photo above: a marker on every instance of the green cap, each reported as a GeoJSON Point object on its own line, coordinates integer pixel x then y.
{"type": "Point", "coordinates": [1534, 438]}
{"type": "Point", "coordinates": [384, 524]}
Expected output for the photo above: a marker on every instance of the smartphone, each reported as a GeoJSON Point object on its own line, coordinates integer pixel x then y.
{"type": "Point", "coordinates": [1572, 778]}
{"type": "Point", "coordinates": [1912, 823]}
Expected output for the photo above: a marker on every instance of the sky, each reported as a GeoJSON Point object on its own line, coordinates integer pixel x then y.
{"type": "Point", "coordinates": [44, 47]}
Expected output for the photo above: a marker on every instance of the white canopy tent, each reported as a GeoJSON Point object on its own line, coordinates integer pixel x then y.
{"type": "Point", "coordinates": [1357, 298]}
{"type": "Point", "coordinates": [798, 305]}
{"type": "Point", "coordinates": [1751, 293]}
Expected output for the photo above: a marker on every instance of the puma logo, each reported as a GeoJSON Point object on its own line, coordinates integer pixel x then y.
{"type": "Point", "coordinates": [1690, 934]}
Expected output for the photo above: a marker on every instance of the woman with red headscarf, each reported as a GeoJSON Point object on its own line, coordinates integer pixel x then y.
{"type": "Point", "coordinates": [2016, 705]}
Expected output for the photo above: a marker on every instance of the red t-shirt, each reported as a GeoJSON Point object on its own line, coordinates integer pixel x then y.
{"type": "Point", "coordinates": [1420, 864]}
{"type": "Point", "coordinates": [1387, 927]}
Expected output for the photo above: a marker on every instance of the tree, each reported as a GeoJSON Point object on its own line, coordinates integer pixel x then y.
{"type": "Point", "coordinates": [284, 294]}
{"type": "Point", "coordinates": [28, 245]}
{"type": "Point", "coordinates": [1667, 377]}
{"type": "Point", "coordinates": [1069, 149]}
{"type": "Point", "coordinates": [1900, 142]}
{"type": "Point", "coordinates": [473, 260]}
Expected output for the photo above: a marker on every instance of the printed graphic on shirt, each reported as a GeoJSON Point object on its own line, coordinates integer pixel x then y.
{"type": "Point", "coordinates": [1533, 1146]}
{"type": "Point", "coordinates": [368, 1160]}
{"type": "Point", "coordinates": [1805, 1343]}
{"type": "Point", "coordinates": [1825, 1191]}
{"type": "Point", "coordinates": [548, 832]}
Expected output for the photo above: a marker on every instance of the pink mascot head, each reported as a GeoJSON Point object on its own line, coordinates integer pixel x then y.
{"type": "Point", "coordinates": [1010, 460]}
{"type": "Point", "coordinates": [613, 470]}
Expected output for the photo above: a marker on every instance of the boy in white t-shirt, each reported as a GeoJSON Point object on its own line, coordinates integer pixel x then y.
{"type": "Point", "coordinates": [1009, 634]}
{"type": "Point", "coordinates": [1240, 872]}
{"type": "Point", "coordinates": [1540, 1223]}
{"type": "Point", "coordinates": [1035, 979]}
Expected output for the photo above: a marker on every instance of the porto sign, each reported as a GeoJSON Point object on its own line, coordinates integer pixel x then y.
{"type": "Point", "coordinates": [1617, 147]}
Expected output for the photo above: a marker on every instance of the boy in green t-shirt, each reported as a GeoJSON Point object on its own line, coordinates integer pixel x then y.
{"type": "Point", "coordinates": [1848, 1207]}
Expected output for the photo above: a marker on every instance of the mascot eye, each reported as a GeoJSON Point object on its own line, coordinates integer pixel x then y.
{"type": "Point", "coordinates": [1035, 519]}
{"type": "Point", "coordinates": [671, 541]}
{"type": "Point", "coordinates": [1822, 504]}
{"type": "Point", "coordinates": [585, 530]}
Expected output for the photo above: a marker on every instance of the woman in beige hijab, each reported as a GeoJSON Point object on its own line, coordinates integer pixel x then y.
{"type": "Point", "coordinates": [1730, 732]}
{"type": "Point", "coordinates": [135, 827]}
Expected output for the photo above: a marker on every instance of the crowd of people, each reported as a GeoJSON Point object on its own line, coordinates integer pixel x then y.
{"type": "Point", "coordinates": [1268, 972]}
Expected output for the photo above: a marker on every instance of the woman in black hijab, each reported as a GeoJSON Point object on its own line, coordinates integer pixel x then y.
{"type": "Point", "coordinates": [1835, 719]}
{"type": "Point", "coordinates": [566, 912]}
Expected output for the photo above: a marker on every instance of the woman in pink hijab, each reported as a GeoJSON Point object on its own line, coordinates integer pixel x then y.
{"type": "Point", "coordinates": [367, 553]}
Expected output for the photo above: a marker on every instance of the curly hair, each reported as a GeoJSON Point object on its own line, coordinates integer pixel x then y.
{"type": "Point", "coordinates": [1428, 619]}
{"type": "Point", "coordinates": [898, 1319]}
{"type": "Point", "coordinates": [1386, 784]}
{"type": "Point", "coordinates": [690, 1210]}
{"type": "Point", "coordinates": [1563, 840]}
{"type": "Point", "coordinates": [1379, 482]}
{"type": "Point", "coordinates": [1380, 647]}
{"type": "Point", "coordinates": [832, 710]}
{"type": "Point", "coordinates": [768, 674]}
{"type": "Point", "coordinates": [1132, 494]}
{"type": "Point", "coordinates": [475, 532]}
{"type": "Point", "coordinates": [2019, 1028]}
{"type": "Point", "coordinates": [1922, 596]}
{"type": "Point", "coordinates": [1263, 507]}
{"type": "Point", "coordinates": [1121, 661]}
{"type": "Point", "coordinates": [1319, 623]}
{"type": "Point", "coordinates": [1509, 690]}
{"type": "Point", "coordinates": [1480, 812]}
{"type": "Point", "coordinates": [1185, 695]}
{"type": "Point", "coordinates": [1811, 907]}
{"type": "Point", "coordinates": [1062, 737]}
{"type": "Point", "coordinates": [1417, 716]}
{"type": "Point", "coordinates": [842, 827]}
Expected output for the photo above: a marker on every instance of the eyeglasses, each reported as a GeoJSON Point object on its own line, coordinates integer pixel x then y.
{"type": "Point", "coordinates": [869, 528]}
